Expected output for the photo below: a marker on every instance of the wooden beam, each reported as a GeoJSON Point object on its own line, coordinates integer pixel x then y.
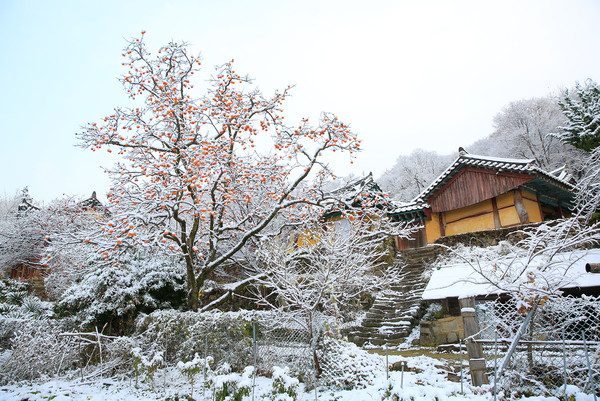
{"type": "Point", "coordinates": [521, 209]}
{"type": "Point", "coordinates": [497, 223]}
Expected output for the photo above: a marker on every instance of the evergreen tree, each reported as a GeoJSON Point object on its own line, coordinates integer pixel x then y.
{"type": "Point", "coordinates": [581, 107]}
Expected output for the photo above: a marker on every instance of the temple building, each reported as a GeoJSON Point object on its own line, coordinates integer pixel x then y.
{"type": "Point", "coordinates": [477, 193]}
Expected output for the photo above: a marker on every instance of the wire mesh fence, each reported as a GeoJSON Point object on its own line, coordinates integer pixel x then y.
{"type": "Point", "coordinates": [558, 347]}
{"type": "Point", "coordinates": [284, 343]}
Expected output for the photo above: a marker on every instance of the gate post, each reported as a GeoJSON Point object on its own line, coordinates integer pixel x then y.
{"type": "Point", "coordinates": [474, 350]}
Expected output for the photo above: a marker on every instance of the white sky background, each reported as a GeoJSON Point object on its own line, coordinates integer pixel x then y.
{"type": "Point", "coordinates": [404, 74]}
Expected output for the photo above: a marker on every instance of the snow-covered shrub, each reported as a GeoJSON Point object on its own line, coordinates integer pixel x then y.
{"type": "Point", "coordinates": [285, 388]}
{"type": "Point", "coordinates": [226, 336]}
{"type": "Point", "coordinates": [146, 365]}
{"type": "Point", "coordinates": [36, 350]}
{"type": "Point", "coordinates": [16, 307]}
{"type": "Point", "coordinates": [13, 291]}
{"type": "Point", "coordinates": [344, 365]}
{"type": "Point", "coordinates": [232, 386]}
{"type": "Point", "coordinates": [434, 311]}
{"type": "Point", "coordinates": [28, 307]}
{"type": "Point", "coordinates": [116, 294]}
{"type": "Point", "coordinates": [191, 368]}
{"type": "Point", "coordinates": [462, 253]}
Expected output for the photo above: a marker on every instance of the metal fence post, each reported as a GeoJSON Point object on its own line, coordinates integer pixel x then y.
{"type": "Point", "coordinates": [462, 392]}
{"type": "Point", "coordinates": [587, 358]}
{"type": "Point", "coordinates": [254, 357]}
{"type": "Point", "coordinates": [387, 364]}
{"type": "Point", "coordinates": [564, 362]}
{"type": "Point", "coordinates": [516, 339]}
{"type": "Point", "coordinates": [314, 352]}
{"type": "Point", "coordinates": [495, 363]}
{"type": "Point", "coordinates": [402, 375]}
{"type": "Point", "coordinates": [205, 367]}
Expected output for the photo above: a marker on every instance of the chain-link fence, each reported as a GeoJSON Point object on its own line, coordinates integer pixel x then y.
{"type": "Point", "coordinates": [559, 345]}
{"type": "Point", "coordinates": [286, 343]}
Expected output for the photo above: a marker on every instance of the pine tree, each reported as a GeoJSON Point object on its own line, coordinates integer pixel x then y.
{"type": "Point", "coordinates": [581, 107]}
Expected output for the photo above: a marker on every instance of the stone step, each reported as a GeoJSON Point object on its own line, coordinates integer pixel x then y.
{"type": "Point", "coordinates": [394, 312]}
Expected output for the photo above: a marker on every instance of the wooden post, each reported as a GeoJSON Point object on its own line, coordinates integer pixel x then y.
{"type": "Point", "coordinates": [497, 223]}
{"type": "Point", "coordinates": [441, 222]}
{"type": "Point", "coordinates": [520, 207]}
{"type": "Point", "coordinates": [471, 328]}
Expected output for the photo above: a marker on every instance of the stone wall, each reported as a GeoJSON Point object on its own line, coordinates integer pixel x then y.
{"type": "Point", "coordinates": [446, 330]}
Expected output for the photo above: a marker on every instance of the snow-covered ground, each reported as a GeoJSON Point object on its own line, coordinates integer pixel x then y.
{"type": "Point", "coordinates": [423, 380]}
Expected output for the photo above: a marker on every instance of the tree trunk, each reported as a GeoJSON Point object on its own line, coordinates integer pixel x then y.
{"type": "Point", "coordinates": [192, 286]}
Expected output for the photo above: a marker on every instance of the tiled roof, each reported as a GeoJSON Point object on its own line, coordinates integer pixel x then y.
{"type": "Point", "coordinates": [361, 192]}
{"type": "Point", "coordinates": [492, 163]}
{"type": "Point", "coordinates": [526, 166]}
{"type": "Point", "coordinates": [410, 207]}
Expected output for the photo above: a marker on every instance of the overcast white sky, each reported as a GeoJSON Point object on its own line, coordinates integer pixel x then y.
{"type": "Point", "coordinates": [404, 74]}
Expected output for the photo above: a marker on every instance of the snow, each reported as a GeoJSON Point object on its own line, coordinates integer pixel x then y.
{"type": "Point", "coordinates": [499, 159]}
{"type": "Point", "coordinates": [423, 380]}
{"type": "Point", "coordinates": [462, 280]}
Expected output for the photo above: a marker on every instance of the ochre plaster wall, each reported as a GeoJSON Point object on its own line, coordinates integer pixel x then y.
{"type": "Point", "coordinates": [505, 200]}
{"type": "Point", "coordinates": [432, 228]}
{"type": "Point", "coordinates": [458, 221]}
{"type": "Point", "coordinates": [533, 207]}
{"type": "Point", "coordinates": [480, 216]}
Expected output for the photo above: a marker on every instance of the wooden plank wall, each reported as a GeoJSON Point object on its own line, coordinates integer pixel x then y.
{"type": "Point", "coordinates": [473, 185]}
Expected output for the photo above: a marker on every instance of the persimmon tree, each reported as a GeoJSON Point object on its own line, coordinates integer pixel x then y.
{"type": "Point", "coordinates": [203, 175]}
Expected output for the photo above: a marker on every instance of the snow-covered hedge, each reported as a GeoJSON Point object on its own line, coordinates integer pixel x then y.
{"type": "Point", "coordinates": [226, 336]}
{"type": "Point", "coordinates": [344, 365]}
{"type": "Point", "coordinates": [116, 293]}
{"type": "Point", "coordinates": [36, 349]}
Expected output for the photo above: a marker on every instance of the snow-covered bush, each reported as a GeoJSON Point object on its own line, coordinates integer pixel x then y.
{"type": "Point", "coordinates": [232, 386]}
{"type": "Point", "coordinates": [36, 350]}
{"type": "Point", "coordinates": [226, 336]}
{"type": "Point", "coordinates": [285, 388]}
{"type": "Point", "coordinates": [16, 307]}
{"type": "Point", "coordinates": [13, 291]}
{"type": "Point", "coordinates": [461, 253]}
{"type": "Point", "coordinates": [143, 364]}
{"type": "Point", "coordinates": [192, 367]}
{"type": "Point", "coordinates": [344, 365]}
{"type": "Point", "coordinates": [434, 311]}
{"type": "Point", "coordinates": [115, 294]}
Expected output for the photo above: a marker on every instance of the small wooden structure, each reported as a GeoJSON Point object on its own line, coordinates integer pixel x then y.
{"type": "Point", "coordinates": [477, 193]}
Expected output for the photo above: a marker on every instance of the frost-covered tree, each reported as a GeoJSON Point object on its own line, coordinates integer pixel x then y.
{"type": "Point", "coordinates": [588, 187]}
{"type": "Point", "coordinates": [525, 128]}
{"type": "Point", "coordinates": [327, 268]}
{"type": "Point", "coordinates": [22, 233]}
{"type": "Point", "coordinates": [204, 175]}
{"type": "Point", "coordinates": [581, 107]}
{"type": "Point", "coordinates": [411, 174]}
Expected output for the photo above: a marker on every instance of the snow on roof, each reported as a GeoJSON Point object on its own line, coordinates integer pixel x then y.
{"type": "Point", "coordinates": [363, 191]}
{"type": "Point", "coordinates": [488, 162]}
{"type": "Point", "coordinates": [461, 280]}
{"type": "Point", "coordinates": [407, 207]}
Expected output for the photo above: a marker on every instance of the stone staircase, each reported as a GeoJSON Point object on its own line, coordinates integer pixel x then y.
{"type": "Point", "coordinates": [395, 311]}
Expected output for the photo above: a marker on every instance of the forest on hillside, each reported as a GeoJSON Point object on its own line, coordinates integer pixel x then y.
{"type": "Point", "coordinates": [524, 129]}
